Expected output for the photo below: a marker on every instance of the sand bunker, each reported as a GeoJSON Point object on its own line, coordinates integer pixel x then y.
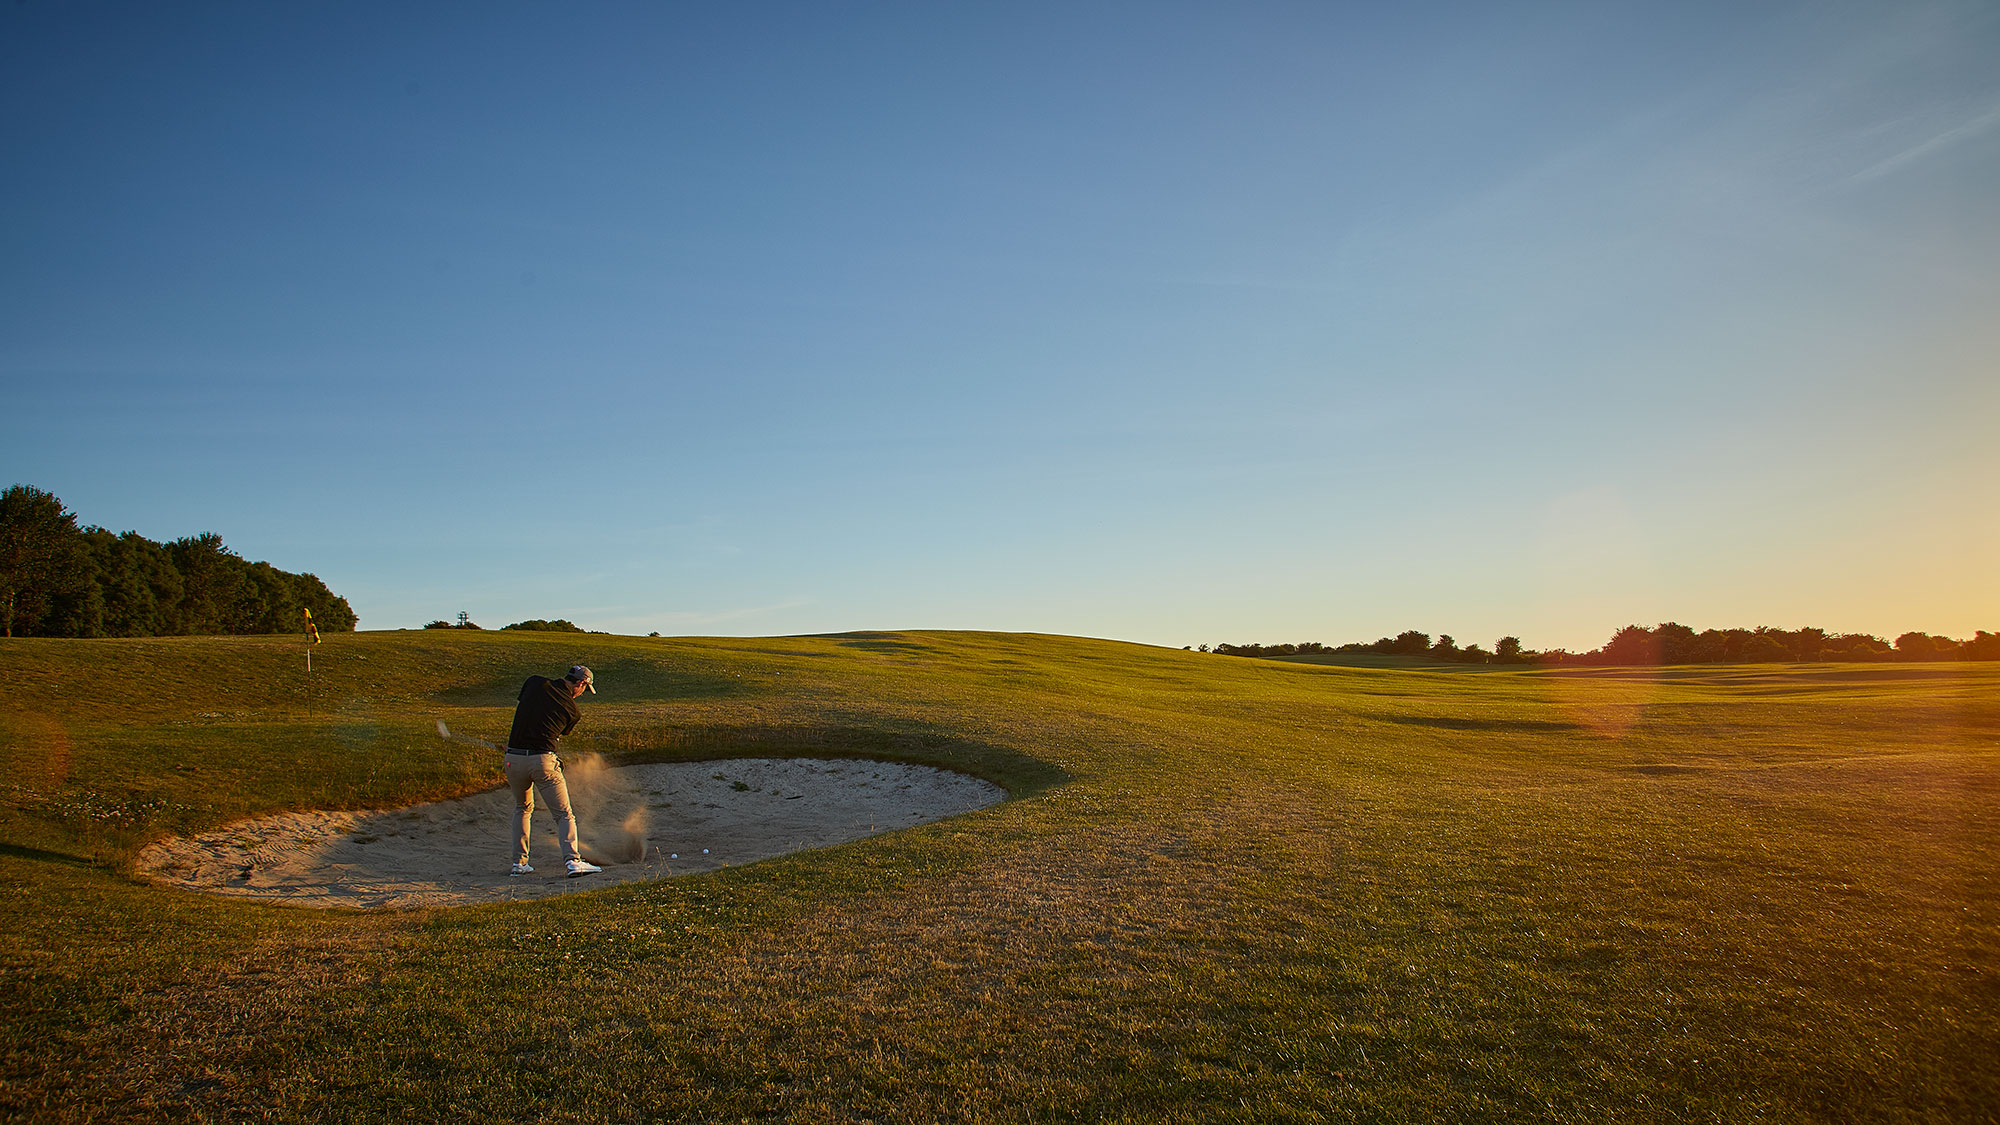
{"type": "Point", "coordinates": [639, 822]}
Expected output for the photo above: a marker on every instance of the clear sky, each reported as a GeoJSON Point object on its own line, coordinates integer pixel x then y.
{"type": "Point", "coordinates": [1174, 323]}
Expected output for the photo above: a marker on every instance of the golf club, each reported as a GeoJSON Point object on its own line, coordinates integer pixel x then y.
{"type": "Point", "coordinates": [449, 735]}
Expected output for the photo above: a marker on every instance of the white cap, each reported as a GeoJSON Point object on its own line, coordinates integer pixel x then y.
{"type": "Point", "coordinates": [581, 675]}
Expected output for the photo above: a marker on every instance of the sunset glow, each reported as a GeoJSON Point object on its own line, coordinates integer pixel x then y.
{"type": "Point", "coordinates": [1245, 323]}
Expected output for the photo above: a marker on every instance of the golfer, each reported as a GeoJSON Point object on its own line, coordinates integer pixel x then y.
{"type": "Point", "coordinates": [546, 712]}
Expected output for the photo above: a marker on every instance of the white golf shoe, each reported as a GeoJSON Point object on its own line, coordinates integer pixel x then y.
{"type": "Point", "coordinates": [522, 869]}
{"type": "Point", "coordinates": [582, 867]}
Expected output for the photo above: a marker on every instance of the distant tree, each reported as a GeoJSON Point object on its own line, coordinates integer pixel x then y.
{"type": "Point", "coordinates": [266, 601]}
{"type": "Point", "coordinates": [537, 625]}
{"type": "Point", "coordinates": [43, 557]}
{"type": "Point", "coordinates": [438, 625]}
{"type": "Point", "coordinates": [330, 611]}
{"type": "Point", "coordinates": [209, 582]}
{"type": "Point", "coordinates": [129, 586]}
{"type": "Point", "coordinates": [1257, 650]}
{"type": "Point", "coordinates": [74, 601]}
{"type": "Point", "coordinates": [1670, 642]}
{"type": "Point", "coordinates": [1764, 648]}
{"type": "Point", "coordinates": [1923, 646]}
{"type": "Point", "coordinates": [1788, 642]}
{"type": "Point", "coordinates": [1855, 646]}
{"type": "Point", "coordinates": [1809, 643]}
{"type": "Point", "coordinates": [76, 609]}
{"type": "Point", "coordinates": [141, 588]}
{"type": "Point", "coordinates": [1634, 644]}
{"type": "Point", "coordinates": [1866, 647]}
{"type": "Point", "coordinates": [1676, 643]}
{"type": "Point", "coordinates": [1710, 646]}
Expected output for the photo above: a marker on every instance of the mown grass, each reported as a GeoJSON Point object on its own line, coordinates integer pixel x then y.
{"type": "Point", "coordinates": [1231, 890]}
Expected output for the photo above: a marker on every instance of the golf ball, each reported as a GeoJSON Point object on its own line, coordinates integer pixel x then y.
{"type": "Point", "coordinates": [704, 851]}
{"type": "Point", "coordinates": [676, 855]}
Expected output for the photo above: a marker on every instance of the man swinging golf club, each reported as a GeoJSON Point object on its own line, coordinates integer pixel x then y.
{"type": "Point", "coordinates": [546, 712]}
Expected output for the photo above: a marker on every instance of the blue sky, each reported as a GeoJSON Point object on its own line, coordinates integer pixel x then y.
{"type": "Point", "coordinates": [1169, 323]}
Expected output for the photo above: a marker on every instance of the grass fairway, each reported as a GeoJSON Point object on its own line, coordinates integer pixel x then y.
{"type": "Point", "coordinates": [1230, 890]}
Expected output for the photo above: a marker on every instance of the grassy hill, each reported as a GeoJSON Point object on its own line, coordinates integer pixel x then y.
{"type": "Point", "coordinates": [1227, 890]}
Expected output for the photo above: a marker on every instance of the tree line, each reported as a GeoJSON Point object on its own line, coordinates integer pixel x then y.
{"type": "Point", "coordinates": [1669, 643]}
{"type": "Point", "coordinates": [531, 625]}
{"type": "Point", "coordinates": [59, 579]}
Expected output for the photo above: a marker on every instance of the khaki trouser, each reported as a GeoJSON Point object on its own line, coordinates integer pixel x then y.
{"type": "Point", "coordinates": [525, 774]}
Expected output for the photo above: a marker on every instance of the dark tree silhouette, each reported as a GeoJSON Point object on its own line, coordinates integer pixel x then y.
{"type": "Point", "coordinates": [537, 625]}
{"type": "Point", "coordinates": [1669, 643]}
{"type": "Point", "coordinates": [1631, 645]}
{"type": "Point", "coordinates": [42, 557]}
{"type": "Point", "coordinates": [70, 582]}
{"type": "Point", "coordinates": [1411, 643]}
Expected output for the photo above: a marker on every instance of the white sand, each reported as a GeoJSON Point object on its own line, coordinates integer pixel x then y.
{"type": "Point", "coordinates": [640, 822]}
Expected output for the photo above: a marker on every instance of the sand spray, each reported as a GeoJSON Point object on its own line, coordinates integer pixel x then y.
{"type": "Point", "coordinates": [611, 818]}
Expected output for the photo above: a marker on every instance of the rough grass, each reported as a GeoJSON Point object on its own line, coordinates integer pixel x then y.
{"type": "Point", "coordinates": [1230, 890]}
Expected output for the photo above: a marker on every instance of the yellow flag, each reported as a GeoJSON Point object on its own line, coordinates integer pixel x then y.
{"type": "Point", "coordinates": [312, 630]}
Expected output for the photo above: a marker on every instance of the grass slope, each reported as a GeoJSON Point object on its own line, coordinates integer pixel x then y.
{"type": "Point", "coordinates": [1232, 890]}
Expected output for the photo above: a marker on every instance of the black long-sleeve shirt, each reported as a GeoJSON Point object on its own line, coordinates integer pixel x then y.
{"type": "Point", "coordinates": [546, 712]}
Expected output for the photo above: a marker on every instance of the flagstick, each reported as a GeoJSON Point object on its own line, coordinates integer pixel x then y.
{"type": "Point", "coordinates": [312, 638]}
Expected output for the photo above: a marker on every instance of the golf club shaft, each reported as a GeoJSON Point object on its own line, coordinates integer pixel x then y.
{"type": "Point", "coordinates": [469, 740]}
